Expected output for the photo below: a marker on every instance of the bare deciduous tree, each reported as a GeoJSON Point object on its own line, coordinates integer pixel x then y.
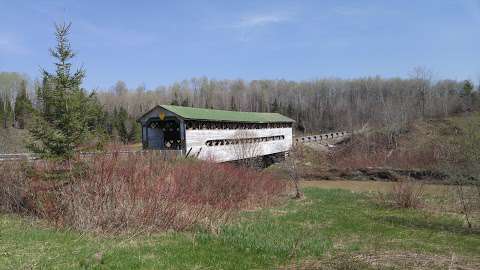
{"type": "Point", "coordinates": [292, 166]}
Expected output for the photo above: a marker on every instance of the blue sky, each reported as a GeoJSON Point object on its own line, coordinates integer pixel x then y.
{"type": "Point", "coordinates": [159, 42]}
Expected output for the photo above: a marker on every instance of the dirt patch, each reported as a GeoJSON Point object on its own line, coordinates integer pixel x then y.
{"type": "Point", "coordinates": [408, 260]}
{"type": "Point", "coordinates": [388, 260]}
{"type": "Point", "coordinates": [381, 174]}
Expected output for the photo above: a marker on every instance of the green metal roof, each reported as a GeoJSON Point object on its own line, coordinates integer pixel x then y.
{"type": "Point", "coordinates": [227, 116]}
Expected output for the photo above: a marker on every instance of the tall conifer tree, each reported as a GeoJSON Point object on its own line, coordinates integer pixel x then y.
{"type": "Point", "coordinates": [62, 121]}
{"type": "Point", "coordinates": [23, 106]}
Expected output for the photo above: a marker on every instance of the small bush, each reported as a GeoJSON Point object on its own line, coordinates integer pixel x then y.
{"type": "Point", "coordinates": [404, 194]}
{"type": "Point", "coordinates": [467, 201]}
{"type": "Point", "coordinates": [108, 193]}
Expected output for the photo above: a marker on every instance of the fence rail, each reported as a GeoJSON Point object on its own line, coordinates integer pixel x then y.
{"type": "Point", "coordinates": [17, 156]}
{"type": "Point", "coordinates": [167, 154]}
{"type": "Point", "coordinates": [322, 137]}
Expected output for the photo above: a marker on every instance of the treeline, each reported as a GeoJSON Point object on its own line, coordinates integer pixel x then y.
{"type": "Point", "coordinates": [19, 98]}
{"type": "Point", "coordinates": [316, 105]}
{"type": "Point", "coordinates": [14, 100]}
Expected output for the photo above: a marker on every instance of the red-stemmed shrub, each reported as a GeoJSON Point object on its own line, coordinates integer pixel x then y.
{"type": "Point", "coordinates": [144, 191]}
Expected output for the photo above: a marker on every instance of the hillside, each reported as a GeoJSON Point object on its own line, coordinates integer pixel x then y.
{"type": "Point", "coordinates": [431, 149]}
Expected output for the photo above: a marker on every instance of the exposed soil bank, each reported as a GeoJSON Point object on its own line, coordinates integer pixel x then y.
{"type": "Point", "coordinates": [369, 186]}
{"type": "Point", "coordinates": [387, 175]}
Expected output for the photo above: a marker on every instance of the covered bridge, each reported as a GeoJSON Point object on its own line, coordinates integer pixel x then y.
{"type": "Point", "coordinates": [216, 134]}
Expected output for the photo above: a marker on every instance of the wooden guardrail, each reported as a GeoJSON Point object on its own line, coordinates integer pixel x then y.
{"type": "Point", "coordinates": [17, 156]}
{"type": "Point", "coordinates": [29, 156]}
{"type": "Point", "coordinates": [322, 137]}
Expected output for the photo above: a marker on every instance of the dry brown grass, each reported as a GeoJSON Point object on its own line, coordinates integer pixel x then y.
{"type": "Point", "coordinates": [410, 260]}
{"type": "Point", "coordinates": [387, 260]}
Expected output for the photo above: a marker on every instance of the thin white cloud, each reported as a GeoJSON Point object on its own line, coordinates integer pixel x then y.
{"type": "Point", "coordinates": [262, 20]}
{"type": "Point", "coordinates": [248, 27]}
{"type": "Point", "coordinates": [257, 20]}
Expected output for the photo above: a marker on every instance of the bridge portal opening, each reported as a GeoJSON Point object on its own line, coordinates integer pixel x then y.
{"type": "Point", "coordinates": [164, 135]}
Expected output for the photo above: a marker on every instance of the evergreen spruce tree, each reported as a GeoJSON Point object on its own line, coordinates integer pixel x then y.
{"type": "Point", "coordinates": [5, 110]}
{"type": "Point", "coordinates": [290, 110]}
{"type": "Point", "coordinates": [112, 125]}
{"type": "Point", "coordinates": [122, 125]}
{"type": "Point", "coordinates": [467, 94]}
{"type": "Point", "coordinates": [95, 115]}
{"type": "Point", "coordinates": [2, 110]}
{"type": "Point", "coordinates": [175, 100]}
{"type": "Point", "coordinates": [233, 106]}
{"type": "Point", "coordinates": [23, 106]}
{"type": "Point", "coordinates": [185, 102]}
{"type": "Point", "coordinates": [275, 107]}
{"type": "Point", "coordinates": [467, 88]}
{"type": "Point", "coordinates": [61, 123]}
{"type": "Point", "coordinates": [135, 133]}
{"type": "Point", "coordinates": [8, 114]}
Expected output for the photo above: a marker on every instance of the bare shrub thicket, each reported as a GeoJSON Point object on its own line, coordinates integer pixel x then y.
{"type": "Point", "coordinates": [12, 187]}
{"type": "Point", "coordinates": [114, 193]}
{"type": "Point", "coordinates": [382, 150]}
{"type": "Point", "coordinates": [404, 194]}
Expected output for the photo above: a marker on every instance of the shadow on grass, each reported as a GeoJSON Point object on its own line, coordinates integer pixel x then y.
{"type": "Point", "coordinates": [429, 224]}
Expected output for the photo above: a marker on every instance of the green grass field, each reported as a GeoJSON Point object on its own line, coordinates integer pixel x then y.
{"type": "Point", "coordinates": [326, 224]}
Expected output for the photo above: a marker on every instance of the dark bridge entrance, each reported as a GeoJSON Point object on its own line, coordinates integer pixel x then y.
{"type": "Point", "coordinates": [164, 135]}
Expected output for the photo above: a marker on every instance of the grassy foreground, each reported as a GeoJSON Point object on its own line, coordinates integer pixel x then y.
{"type": "Point", "coordinates": [323, 225]}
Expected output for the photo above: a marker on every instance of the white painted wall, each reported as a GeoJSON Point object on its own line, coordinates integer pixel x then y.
{"type": "Point", "coordinates": [196, 139]}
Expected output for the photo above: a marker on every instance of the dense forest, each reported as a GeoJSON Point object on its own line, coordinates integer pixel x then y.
{"type": "Point", "coordinates": [316, 105]}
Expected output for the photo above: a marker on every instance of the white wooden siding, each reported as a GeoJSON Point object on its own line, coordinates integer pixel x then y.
{"type": "Point", "coordinates": [196, 139]}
